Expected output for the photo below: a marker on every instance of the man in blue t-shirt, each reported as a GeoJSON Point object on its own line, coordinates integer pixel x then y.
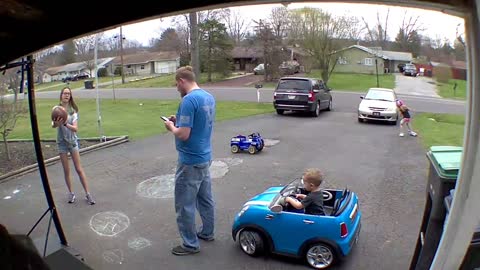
{"type": "Point", "coordinates": [192, 127]}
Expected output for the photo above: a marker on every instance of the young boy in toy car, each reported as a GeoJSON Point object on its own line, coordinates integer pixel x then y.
{"type": "Point", "coordinates": [313, 201]}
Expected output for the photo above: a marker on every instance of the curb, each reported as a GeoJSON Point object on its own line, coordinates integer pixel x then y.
{"type": "Point", "coordinates": [50, 161]}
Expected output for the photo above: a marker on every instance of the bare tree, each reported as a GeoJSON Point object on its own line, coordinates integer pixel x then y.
{"type": "Point", "coordinates": [408, 37]}
{"type": "Point", "coordinates": [272, 53]}
{"type": "Point", "coordinates": [279, 21]}
{"type": "Point", "coordinates": [236, 25]}
{"type": "Point", "coordinates": [318, 32]}
{"type": "Point", "coordinates": [169, 41]}
{"type": "Point", "coordinates": [84, 50]}
{"type": "Point", "coordinates": [10, 109]}
{"type": "Point", "coordinates": [377, 34]}
{"type": "Point", "coordinates": [194, 44]}
{"type": "Point", "coordinates": [355, 30]}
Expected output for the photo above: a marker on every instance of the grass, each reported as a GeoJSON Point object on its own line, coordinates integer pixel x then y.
{"type": "Point", "coordinates": [166, 81]}
{"type": "Point", "coordinates": [355, 82]}
{"type": "Point", "coordinates": [446, 89]}
{"type": "Point", "coordinates": [349, 81]}
{"type": "Point", "coordinates": [447, 129]}
{"type": "Point", "coordinates": [127, 117]}
{"type": "Point", "coordinates": [58, 85]}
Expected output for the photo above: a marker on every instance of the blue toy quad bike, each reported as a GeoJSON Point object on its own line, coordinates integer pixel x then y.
{"type": "Point", "coordinates": [253, 143]}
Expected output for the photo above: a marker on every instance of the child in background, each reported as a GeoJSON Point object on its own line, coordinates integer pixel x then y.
{"type": "Point", "coordinates": [406, 118]}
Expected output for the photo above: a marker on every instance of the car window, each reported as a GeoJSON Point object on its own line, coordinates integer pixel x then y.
{"type": "Point", "coordinates": [299, 85]}
{"type": "Point", "coordinates": [380, 95]}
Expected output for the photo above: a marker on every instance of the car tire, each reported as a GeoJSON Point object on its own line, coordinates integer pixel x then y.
{"type": "Point", "coordinates": [252, 150]}
{"type": "Point", "coordinates": [330, 105]}
{"type": "Point", "coordinates": [320, 256]}
{"type": "Point", "coordinates": [316, 111]}
{"type": "Point", "coordinates": [360, 120]}
{"type": "Point", "coordinates": [251, 242]}
{"type": "Point", "coordinates": [280, 112]}
{"type": "Point", "coordinates": [234, 149]}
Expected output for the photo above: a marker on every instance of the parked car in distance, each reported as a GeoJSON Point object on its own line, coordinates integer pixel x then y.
{"type": "Point", "coordinates": [302, 95]}
{"type": "Point", "coordinates": [379, 104]}
{"type": "Point", "coordinates": [410, 70]}
{"type": "Point", "coordinates": [289, 68]}
{"type": "Point", "coordinates": [76, 77]}
{"type": "Point", "coordinates": [80, 77]}
{"type": "Point", "coordinates": [259, 70]}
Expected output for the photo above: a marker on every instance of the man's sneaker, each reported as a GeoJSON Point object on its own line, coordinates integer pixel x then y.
{"type": "Point", "coordinates": [204, 238]}
{"type": "Point", "coordinates": [412, 133]}
{"type": "Point", "coordinates": [182, 251]}
{"type": "Point", "coordinates": [90, 199]}
{"type": "Point", "coordinates": [71, 197]}
{"type": "Point", "coordinates": [401, 134]}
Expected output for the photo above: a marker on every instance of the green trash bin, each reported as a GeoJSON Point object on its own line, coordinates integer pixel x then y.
{"type": "Point", "coordinates": [88, 84]}
{"type": "Point", "coordinates": [442, 177]}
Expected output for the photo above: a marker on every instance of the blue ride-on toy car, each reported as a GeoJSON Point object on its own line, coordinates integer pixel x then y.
{"type": "Point", "coordinates": [253, 143]}
{"type": "Point", "coordinates": [267, 223]}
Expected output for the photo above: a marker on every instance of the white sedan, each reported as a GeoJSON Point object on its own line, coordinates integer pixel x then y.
{"type": "Point", "coordinates": [379, 104]}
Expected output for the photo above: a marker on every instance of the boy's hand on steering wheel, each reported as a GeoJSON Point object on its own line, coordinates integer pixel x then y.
{"type": "Point", "coordinates": [300, 196]}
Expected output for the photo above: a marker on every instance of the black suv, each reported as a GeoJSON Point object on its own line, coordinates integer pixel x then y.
{"type": "Point", "coordinates": [302, 94]}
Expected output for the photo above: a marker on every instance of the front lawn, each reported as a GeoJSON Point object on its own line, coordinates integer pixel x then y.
{"type": "Point", "coordinates": [439, 129]}
{"type": "Point", "coordinates": [446, 89]}
{"type": "Point", "coordinates": [136, 118]}
{"type": "Point", "coordinates": [349, 81]}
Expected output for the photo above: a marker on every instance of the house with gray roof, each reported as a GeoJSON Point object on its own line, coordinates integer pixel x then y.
{"type": "Point", "coordinates": [145, 63]}
{"type": "Point", "coordinates": [69, 70]}
{"type": "Point", "coordinates": [360, 59]}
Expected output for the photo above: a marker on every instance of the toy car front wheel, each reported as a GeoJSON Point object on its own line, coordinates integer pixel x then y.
{"type": "Point", "coordinates": [234, 149]}
{"type": "Point", "coordinates": [280, 112]}
{"type": "Point", "coordinates": [320, 256]}
{"type": "Point", "coordinates": [251, 242]}
{"type": "Point", "coordinates": [252, 149]}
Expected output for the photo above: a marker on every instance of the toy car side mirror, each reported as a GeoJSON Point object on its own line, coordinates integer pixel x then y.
{"type": "Point", "coordinates": [361, 97]}
{"type": "Point", "coordinates": [276, 208]}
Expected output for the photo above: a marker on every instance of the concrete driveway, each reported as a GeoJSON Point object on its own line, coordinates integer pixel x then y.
{"type": "Point", "coordinates": [132, 226]}
{"type": "Point", "coordinates": [417, 86]}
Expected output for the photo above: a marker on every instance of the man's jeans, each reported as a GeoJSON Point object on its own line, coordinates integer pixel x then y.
{"type": "Point", "coordinates": [193, 189]}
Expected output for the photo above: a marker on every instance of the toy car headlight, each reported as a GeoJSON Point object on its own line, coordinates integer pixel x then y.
{"type": "Point", "coordinates": [244, 209]}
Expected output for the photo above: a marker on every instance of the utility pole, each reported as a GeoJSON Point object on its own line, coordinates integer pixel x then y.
{"type": "Point", "coordinates": [194, 50]}
{"type": "Point", "coordinates": [99, 117]}
{"type": "Point", "coordinates": [121, 55]}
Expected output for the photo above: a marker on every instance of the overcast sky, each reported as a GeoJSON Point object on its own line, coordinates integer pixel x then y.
{"type": "Point", "coordinates": [436, 24]}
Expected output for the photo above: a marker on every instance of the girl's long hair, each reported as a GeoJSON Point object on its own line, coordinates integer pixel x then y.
{"type": "Point", "coordinates": [71, 102]}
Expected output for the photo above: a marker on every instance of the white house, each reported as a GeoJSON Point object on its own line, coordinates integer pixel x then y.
{"type": "Point", "coordinates": [69, 70]}
{"type": "Point", "coordinates": [146, 63]}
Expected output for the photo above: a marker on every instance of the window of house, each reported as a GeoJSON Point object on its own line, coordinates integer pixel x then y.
{"type": "Point", "coordinates": [342, 61]}
{"type": "Point", "coordinates": [142, 67]}
{"type": "Point", "coordinates": [368, 61]}
{"type": "Point", "coordinates": [129, 66]}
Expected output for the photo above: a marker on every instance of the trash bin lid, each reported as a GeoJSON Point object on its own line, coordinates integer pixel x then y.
{"type": "Point", "coordinates": [446, 160]}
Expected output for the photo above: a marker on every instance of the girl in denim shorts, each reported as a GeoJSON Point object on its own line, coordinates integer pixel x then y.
{"type": "Point", "coordinates": [67, 142]}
